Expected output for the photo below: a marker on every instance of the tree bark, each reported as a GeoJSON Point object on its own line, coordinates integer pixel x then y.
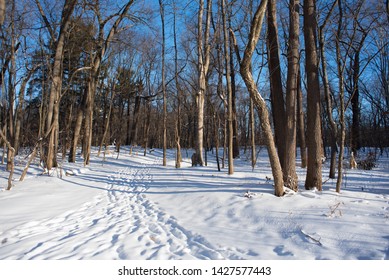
{"type": "Point", "coordinates": [11, 93]}
{"type": "Point", "coordinates": [340, 69]}
{"type": "Point", "coordinates": [10, 159]}
{"type": "Point", "coordinates": [328, 96]}
{"type": "Point", "coordinates": [162, 14]}
{"type": "Point", "coordinates": [77, 128]}
{"type": "Point", "coordinates": [178, 89]}
{"type": "Point", "coordinates": [19, 110]}
{"type": "Point", "coordinates": [289, 167]}
{"type": "Point", "coordinates": [229, 91]}
{"type": "Point", "coordinates": [314, 139]}
{"type": "Point", "coordinates": [252, 129]}
{"type": "Point", "coordinates": [107, 121]}
{"type": "Point", "coordinates": [259, 102]}
{"type": "Point", "coordinates": [276, 91]}
{"type": "Point", "coordinates": [301, 123]}
{"type": "Point", "coordinates": [146, 132]}
{"type": "Point", "coordinates": [355, 126]}
{"type": "Point", "coordinates": [103, 43]}
{"type": "Point", "coordinates": [203, 49]}
{"type": "Point", "coordinates": [2, 11]}
{"type": "Point", "coordinates": [56, 84]}
{"type": "Point", "coordinates": [89, 119]}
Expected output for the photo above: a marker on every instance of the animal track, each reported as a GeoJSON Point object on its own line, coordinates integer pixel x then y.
{"type": "Point", "coordinates": [121, 223]}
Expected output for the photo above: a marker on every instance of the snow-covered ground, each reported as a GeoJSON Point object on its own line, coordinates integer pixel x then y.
{"type": "Point", "coordinates": [134, 208]}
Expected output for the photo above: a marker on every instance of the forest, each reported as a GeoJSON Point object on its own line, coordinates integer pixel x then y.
{"type": "Point", "coordinates": [308, 77]}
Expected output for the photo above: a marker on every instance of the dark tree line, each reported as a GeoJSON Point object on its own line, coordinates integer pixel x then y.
{"type": "Point", "coordinates": [292, 75]}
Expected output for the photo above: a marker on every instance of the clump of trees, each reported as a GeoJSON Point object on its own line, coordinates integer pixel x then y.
{"type": "Point", "coordinates": [292, 75]}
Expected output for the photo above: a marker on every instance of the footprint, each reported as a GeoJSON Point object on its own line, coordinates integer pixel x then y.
{"type": "Point", "coordinates": [280, 250]}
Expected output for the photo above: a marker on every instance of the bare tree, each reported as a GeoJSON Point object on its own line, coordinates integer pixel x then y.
{"type": "Point", "coordinates": [229, 91]}
{"type": "Point", "coordinates": [102, 44]}
{"type": "Point", "coordinates": [301, 122]}
{"type": "Point", "coordinates": [52, 125]}
{"type": "Point", "coordinates": [340, 68]}
{"type": "Point", "coordinates": [179, 92]}
{"type": "Point", "coordinates": [289, 169]}
{"type": "Point", "coordinates": [203, 49]}
{"type": "Point", "coordinates": [162, 14]}
{"type": "Point", "coordinates": [327, 94]}
{"type": "Point", "coordinates": [259, 101]}
{"type": "Point", "coordinates": [314, 139]}
{"type": "Point", "coordinates": [276, 90]}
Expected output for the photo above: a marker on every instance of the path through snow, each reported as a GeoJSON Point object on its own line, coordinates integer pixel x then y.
{"type": "Point", "coordinates": [120, 223]}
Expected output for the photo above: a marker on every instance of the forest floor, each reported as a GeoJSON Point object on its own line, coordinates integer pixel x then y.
{"type": "Point", "coordinates": [133, 208]}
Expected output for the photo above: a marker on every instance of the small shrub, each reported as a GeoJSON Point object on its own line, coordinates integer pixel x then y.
{"type": "Point", "coordinates": [368, 163]}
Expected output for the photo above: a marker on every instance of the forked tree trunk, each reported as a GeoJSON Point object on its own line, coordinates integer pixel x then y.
{"type": "Point", "coordinates": [259, 101]}
{"type": "Point", "coordinates": [56, 82]}
{"type": "Point", "coordinates": [103, 44]}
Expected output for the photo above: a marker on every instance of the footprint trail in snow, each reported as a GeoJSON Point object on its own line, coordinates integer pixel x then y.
{"type": "Point", "coordinates": [121, 223]}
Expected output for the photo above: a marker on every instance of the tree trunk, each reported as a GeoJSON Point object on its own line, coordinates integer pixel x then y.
{"type": "Point", "coordinates": [56, 86]}
{"type": "Point", "coordinates": [178, 89]}
{"type": "Point", "coordinates": [289, 167]}
{"type": "Point", "coordinates": [301, 123]}
{"type": "Point", "coordinates": [216, 125]}
{"type": "Point", "coordinates": [2, 11]}
{"type": "Point", "coordinates": [107, 121]}
{"type": "Point", "coordinates": [236, 146]}
{"type": "Point", "coordinates": [10, 159]}
{"type": "Point", "coordinates": [355, 126]}
{"type": "Point", "coordinates": [162, 13]}
{"type": "Point", "coordinates": [88, 133]}
{"type": "Point", "coordinates": [259, 102]}
{"type": "Point", "coordinates": [11, 94]}
{"type": "Point", "coordinates": [229, 92]}
{"type": "Point", "coordinates": [314, 139]}
{"type": "Point", "coordinates": [341, 99]}
{"type": "Point", "coordinates": [203, 48]}
{"type": "Point", "coordinates": [328, 96]}
{"type": "Point", "coordinates": [146, 132]}
{"type": "Point", "coordinates": [135, 119]}
{"type": "Point", "coordinates": [252, 128]}
{"type": "Point", "coordinates": [77, 128]}
{"type": "Point", "coordinates": [103, 44]}
{"type": "Point", "coordinates": [276, 91]}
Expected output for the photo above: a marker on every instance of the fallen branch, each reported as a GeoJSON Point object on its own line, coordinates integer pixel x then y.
{"type": "Point", "coordinates": [317, 241]}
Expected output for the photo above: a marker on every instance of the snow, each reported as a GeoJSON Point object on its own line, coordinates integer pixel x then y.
{"type": "Point", "coordinates": [133, 208]}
